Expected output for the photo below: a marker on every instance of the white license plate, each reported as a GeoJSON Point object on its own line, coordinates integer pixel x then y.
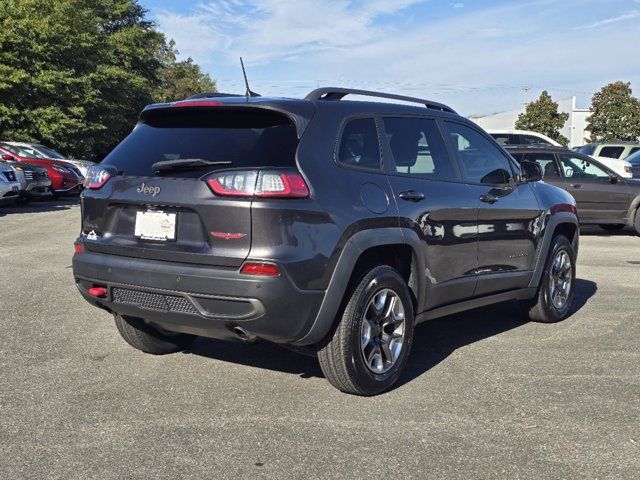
{"type": "Point", "coordinates": [153, 225]}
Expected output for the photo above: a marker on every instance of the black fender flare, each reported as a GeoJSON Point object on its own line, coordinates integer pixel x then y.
{"type": "Point", "coordinates": [351, 252]}
{"type": "Point", "coordinates": [552, 223]}
{"type": "Point", "coordinates": [633, 209]}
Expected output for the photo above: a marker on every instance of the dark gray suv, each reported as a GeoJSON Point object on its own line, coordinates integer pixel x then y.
{"type": "Point", "coordinates": [329, 225]}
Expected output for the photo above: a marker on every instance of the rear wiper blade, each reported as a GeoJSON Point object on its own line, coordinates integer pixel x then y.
{"type": "Point", "coordinates": [183, 164]}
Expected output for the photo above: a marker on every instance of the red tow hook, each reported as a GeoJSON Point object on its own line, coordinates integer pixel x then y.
{"type": "Point", "coordinates": [97, 291]}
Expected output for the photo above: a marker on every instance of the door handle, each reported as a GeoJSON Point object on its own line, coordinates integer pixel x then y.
{"type": "Point", "coordinates": [488, 198]}
{"type": "Point", "coordinates": [576, 185]}
{"type": "Point", "coordinates": [411, 196]}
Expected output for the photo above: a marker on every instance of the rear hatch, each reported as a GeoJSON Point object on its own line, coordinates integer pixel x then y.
{"type": "Point", "coordinates": [168, 211]}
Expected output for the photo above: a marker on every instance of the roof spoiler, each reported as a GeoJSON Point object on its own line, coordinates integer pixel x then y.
{"type": "Point", "coordinates": [336, 93]}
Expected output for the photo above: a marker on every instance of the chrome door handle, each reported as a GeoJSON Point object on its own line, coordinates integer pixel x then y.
{"type": "Point", "coordinates": [488, 198]}
{"type": "Point", "coordinates": [411, 196]}
{"type": "Point", "coordinates": [576, 185]}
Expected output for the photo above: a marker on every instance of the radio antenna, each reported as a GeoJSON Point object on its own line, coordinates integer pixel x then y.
{"type": "Point", "coordinates": [248, 93]}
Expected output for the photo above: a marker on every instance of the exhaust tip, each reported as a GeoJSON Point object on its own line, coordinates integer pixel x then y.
{"type": "Point", "coordinates": [243, 334]}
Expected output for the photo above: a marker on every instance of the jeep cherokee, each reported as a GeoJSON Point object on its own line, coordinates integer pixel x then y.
{"type": "Point", "coordinates": [328, 225]}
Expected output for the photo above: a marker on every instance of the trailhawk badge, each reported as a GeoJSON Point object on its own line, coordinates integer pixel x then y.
{"type": "Point", "coordinates": [148, 189]}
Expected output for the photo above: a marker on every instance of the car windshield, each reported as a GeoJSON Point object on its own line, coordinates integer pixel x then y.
{"type": "Point", "coordinates": [22, 151]}
{"type": "Point", "coordinates": [48, 152]}
{"type": "Point", "coordinates": [587, 149]}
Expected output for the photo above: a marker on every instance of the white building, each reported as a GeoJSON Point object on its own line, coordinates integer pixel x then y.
{"type": "Point", "coordinates": [575, 128]}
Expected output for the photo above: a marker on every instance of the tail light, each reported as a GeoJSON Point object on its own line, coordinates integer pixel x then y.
{"type": "Point", "coordinates": [97, 176]}
{"type": "Point", "coordinates": [258, 183]}
{"type": "Point", "coordinates": [261, 269]}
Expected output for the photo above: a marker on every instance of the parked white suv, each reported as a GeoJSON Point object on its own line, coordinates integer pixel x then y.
{"type": "Point", "coordinates": [521, 137]}
{"type": "Point", "coordinates": [621, 167]}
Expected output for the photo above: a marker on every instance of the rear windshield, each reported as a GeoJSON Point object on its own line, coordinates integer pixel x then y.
{"type": "Point", "coordinates": [236, 139]}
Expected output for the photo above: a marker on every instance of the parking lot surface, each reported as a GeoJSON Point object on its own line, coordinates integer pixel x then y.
{"type": "Point", "coordinates": [485, 395]}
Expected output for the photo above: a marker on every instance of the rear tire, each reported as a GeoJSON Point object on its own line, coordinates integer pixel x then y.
{"type": "Point", "coordinates": [367, 351]}
{"type": "Point", "coordinates": [636, 223]}
{"type": "Point", "coordinates": [146, 338]}
{"type": "Point", "coordinates": [612, 227]}
{"type": "Point", "coordinates": [555, 294]}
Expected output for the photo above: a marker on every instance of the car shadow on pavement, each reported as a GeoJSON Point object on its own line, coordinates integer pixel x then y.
{"type": "Point", "coordinates": [433, 341]}
{"type": "Point", "coordinates": [595, 231]}
{"type": "Point", "coordinates": [37, 206]}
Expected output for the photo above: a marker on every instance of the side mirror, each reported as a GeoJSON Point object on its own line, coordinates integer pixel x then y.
{"type": "Point", "coordinates": [613, 178]}
{"type": "Point", "coordinates": [531, 171]}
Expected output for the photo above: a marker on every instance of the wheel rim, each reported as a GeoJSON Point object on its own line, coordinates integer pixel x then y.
{"type": "Point", "coordinates": [560, 277]}
{"type": "Point", "coordinates": [382, 331]}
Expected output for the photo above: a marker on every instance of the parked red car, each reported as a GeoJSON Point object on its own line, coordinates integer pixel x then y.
{"type": "Point", "coordinates": [64, 180]}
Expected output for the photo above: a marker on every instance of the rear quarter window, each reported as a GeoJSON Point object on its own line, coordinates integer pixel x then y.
{"type": "Point", "coordinates": [611, 152]}
{"type": "Point", "coordinates": [359, 146]}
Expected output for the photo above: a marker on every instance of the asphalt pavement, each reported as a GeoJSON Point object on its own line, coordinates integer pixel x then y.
{"type": "Point", "coordinates": [486, 395]}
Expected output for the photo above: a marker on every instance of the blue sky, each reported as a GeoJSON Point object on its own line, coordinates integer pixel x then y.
{"type": "Point", "coordinates": [475, 55]}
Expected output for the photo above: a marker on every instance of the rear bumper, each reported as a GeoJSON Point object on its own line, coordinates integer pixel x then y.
{"type": "Point", "coordinates": [77, 188]}
{"type": "Point", "coordinates": [200, 300]}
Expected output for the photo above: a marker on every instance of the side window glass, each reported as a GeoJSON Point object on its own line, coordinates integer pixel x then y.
{"type": "Point", "coordinates": [481, 161]}
{"type": "Point", "coordinates": [502, 139]}
{"type": "Point", "coordinates": [531, 140]}
{"type": "Point", "coordinates": [611, 152]}
{"type": "Point", "coordinates": [359, 145]}
{"type": "Point", "coordinates": [634, 150]}
{"type": "Point", "coordinates": [418, 148]}
{"type": "Point", "coordinates": [546, 161]}
{"type": "Point", "coordinates": [577, 167]}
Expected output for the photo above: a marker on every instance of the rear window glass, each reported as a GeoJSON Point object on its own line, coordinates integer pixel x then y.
{"type": "Point", "coordinates": [234, 138]}
{"type": "Point", "coordinates": [531, 140]}
{"type": "Point", "coordinates": [611, 152]}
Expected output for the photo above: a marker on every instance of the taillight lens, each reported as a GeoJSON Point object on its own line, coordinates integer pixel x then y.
{"type": "Point", "coordinates": [97, 176]}
{"type": "Point", "coordinates": [261, 269]}
{"type": "Point", "coordinates": [263, 183]}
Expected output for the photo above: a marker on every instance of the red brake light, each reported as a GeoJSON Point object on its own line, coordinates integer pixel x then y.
{"type": "Point", "coordinates": [263, 269]}
{"type": "Point", "coordinates": [77, 247]}
{"type": "Point", "coordinates": [97, 291]}
{"type": "Point", "coordinates": [97, 176]}
{"type": "Point", "coordinates": [263, 183]}
{"type": "Point", "coordinates": [191, 103]}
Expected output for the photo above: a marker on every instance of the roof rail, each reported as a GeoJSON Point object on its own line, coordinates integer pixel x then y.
{"type": "Point", "coordinates": [336, 93]}
{"type": "Point", "coordinates": [212, 95]}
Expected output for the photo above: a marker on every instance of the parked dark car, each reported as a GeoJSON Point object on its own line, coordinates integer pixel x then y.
{"type": "Point", "coordinates": [603, 197]}
{"type": "Point", "coordinates": [328, 225]}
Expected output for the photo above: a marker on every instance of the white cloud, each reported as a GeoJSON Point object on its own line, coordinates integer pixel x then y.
{"type": "Point", "coordinates": [619, 18]}
{"type": "Point", "coordinates": [477, 59]}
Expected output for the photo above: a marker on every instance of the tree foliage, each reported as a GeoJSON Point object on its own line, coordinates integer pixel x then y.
{"type": "Point", "coordinates": [74, 74]}
{"type": "Point", "coordinates": [616, 113]}
{"type": "Point", "coordinates": [542, 116]}
{"type": "Point", "coordinates": [180, 79]}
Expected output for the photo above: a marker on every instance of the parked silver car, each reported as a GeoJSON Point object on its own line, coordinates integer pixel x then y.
{"type": "Point", "coordinates": [34, 181]}
{"type": "Point", "coordinates": [9, 185]}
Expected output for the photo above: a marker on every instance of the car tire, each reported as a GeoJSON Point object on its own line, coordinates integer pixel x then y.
{"type": "Point", "coordinates": [636, 222]}
{"type": "Point", "coordinates": [552, 302]}
{"type": "Point", "coordinates": [368, 348]}
{"type": "Point", "coordinates": [149, 339]}
{"type": "Point", "coordinates": [612, 227]}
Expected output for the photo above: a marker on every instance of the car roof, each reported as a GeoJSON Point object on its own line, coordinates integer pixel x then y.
{"type": "Point", "coordinates": [614, 143]}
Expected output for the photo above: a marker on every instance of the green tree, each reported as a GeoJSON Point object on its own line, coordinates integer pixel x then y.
{"type": "Point", "coordinates": [616, 113]}
{"type": "Point", "coordinates": [180, 79]}
{"type": "Point", "coordinates": [74, 74]}
{"type": "Point", "coordinates": [542, 116]}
